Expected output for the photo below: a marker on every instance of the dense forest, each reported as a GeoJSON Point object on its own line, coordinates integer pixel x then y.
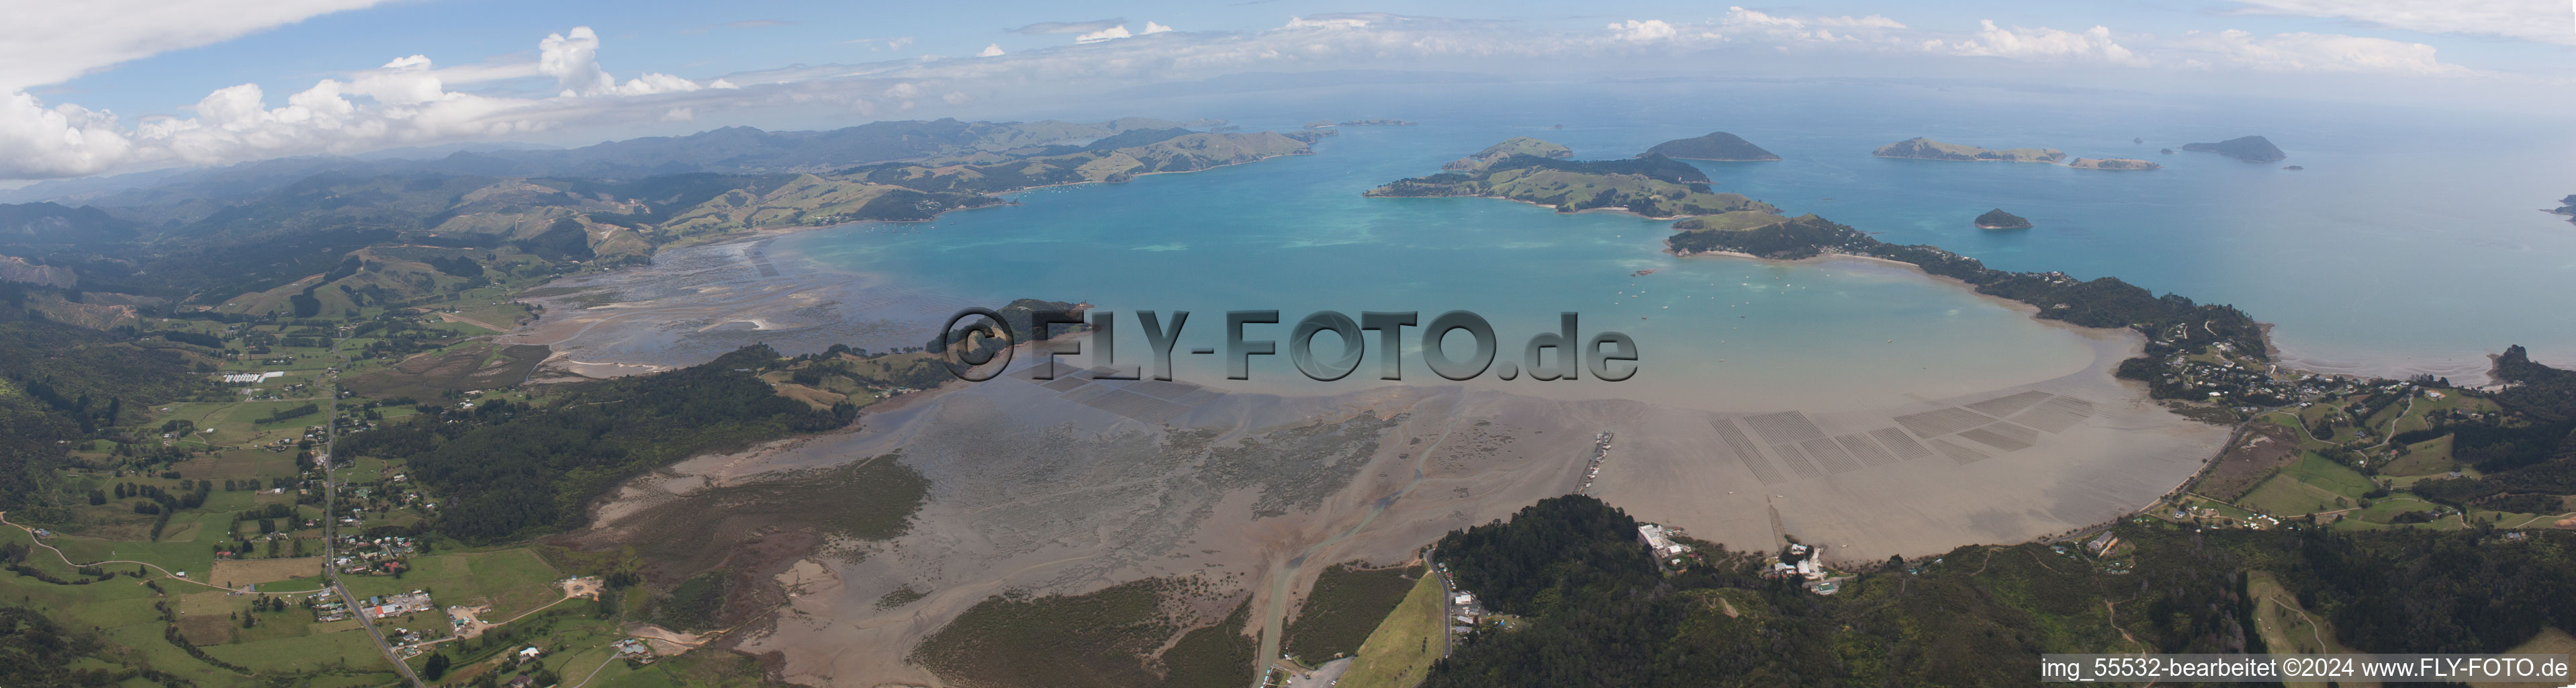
{"type": "Point", "coordinates": [511, 469]}
{"type": "Point", "coordinates": [60, 383]}
{"type": "Point", "coordinates": [1596, 612]}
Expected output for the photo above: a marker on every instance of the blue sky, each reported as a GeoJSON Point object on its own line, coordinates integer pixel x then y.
{"type": "Point", "coordinates": [120, 85]}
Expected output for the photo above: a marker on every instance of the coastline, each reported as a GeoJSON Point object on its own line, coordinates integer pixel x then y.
{"type": "Point", "coordinates": [557, 309]}
{"type": "Point", "coordinates": [2024, 308]}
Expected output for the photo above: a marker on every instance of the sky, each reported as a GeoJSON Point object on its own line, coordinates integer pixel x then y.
{"type": "Point", "coordinates": [110, 86]}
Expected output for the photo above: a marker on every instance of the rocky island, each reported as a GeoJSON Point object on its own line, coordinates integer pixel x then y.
{"type": "Point", "coordinates": [2113, 164]}
{"type": "Point", "coordinates": [1652, 186]}
{"type": "Point", "coordinates": [1998, 219]}
{"type": "Point", "coordinates": [1926, 149]}
{"type": "Point", "coordinates": [1715, 146]}
{"type": "Point", "coordinates": [2246, 148]}
{"type": "Point", "coordinates": [1383, 122]}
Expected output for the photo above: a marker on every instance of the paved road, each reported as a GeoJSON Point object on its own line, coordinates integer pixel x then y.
{"type": "Point", "coordinates": [330, 521]}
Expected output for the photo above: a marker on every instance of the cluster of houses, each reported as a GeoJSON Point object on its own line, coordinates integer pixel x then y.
{"type": "Point", "coordinates": [378, 555]}
{"type": "Point", "coordinates": [382, 606]}
{"type": "Point", "coordinates": [1600, 450]}
{"type": "Point", "coordinates": [1464, 610]}
{"type": "Point", "coordinates": [2254, 521]}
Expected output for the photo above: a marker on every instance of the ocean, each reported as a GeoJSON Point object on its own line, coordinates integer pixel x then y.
{"type": "Point", "coordinates": [2412, 242]}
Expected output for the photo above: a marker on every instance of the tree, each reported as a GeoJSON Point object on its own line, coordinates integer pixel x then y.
{"type": "Point", "coordinates": [435, 667]}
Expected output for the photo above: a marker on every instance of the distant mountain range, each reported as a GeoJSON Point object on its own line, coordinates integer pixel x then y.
{"type": "Point", "coordinates": [350, 232]}
{"type": "Point", "coordinates": [731, 150]}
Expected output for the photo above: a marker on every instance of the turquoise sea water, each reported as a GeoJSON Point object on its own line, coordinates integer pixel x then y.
{"type": "Point", "coordinates": [2412, 241]}
{"type": "Point", "coordinates": [1294, 235]}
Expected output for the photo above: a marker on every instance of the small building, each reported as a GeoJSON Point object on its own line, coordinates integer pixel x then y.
{"type": "Point", "coordinates": [2103, 543]}
{"type": "Point", "coordinates": [530, 653]}
{"type": "Point", "coordinates": [1658, 539]}
{"type": "Point", "coordinates": [1463, 598]}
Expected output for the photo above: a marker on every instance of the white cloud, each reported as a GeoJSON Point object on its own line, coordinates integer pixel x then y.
{"type": "Point", "coordinates": [2046, 44]}
{"type": "Point", "coordinates": [2544, 21]}
{"type": "Point", "coordinates": [1153, 28]}
{"type": "Point", "coordinates": [572, 58]}
{"type": "Point", "coordinates": [1741, 21]}
{"type": "Point", "coordinates": [994, 50]}
{"type": "Point", "coordinates": [574, 62]}
{"type": "Point", "coordinates": [404, 102]}
{"type": "Point", "coordinates": [1108, 34]}
{"type": "Point", "coordinates": [1740, 18]}
{"type": "Point", "coordinates": [1648, 30]}
{"type": "Point", "coordinates": [2317, 52]}
{"type": "Point", "coordinates": [51, 42]}
{"type": "Point", "coordinates": [1330, 21]}
{"type": "Point", "coordinates": [1869, 22]}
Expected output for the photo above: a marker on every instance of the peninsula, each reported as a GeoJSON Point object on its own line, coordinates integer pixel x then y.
{"type": "Point", "coordinates": [2246, 148]}
{"type": "Point", "coordinates": [1995, 219]}
{"type": "Point", "coordinates": [1652, 186]}
{"type": "Point", "coordinates": [1926, 149]}
{"type": "Point", "coordinates": [2567, 207]}
{"type": "Point", "coordinates": [2113, 164]}
{"type": "Point", "coordinates": [1714, 146]}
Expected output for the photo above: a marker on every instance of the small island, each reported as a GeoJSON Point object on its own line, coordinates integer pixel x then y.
{"type": "Point", "coordinates": [2246, 148]}
{"type": "Point", "coordinates": [2166, 151]}
{"type": "Point", "coordinates": [1998, 219]}
{"type": "Point", "coordinates": [2113, 164]}
{"type": "Point", "coordinates": [2294, 168]}
{"type": "Point", "coordinates": [1715, 146]}
{"type": "Point", "coordinates": [1517, 145]}
{"type": "Point", "coordinates": [1652, 186]}
{"type": "Point", "coordinates": [1920, 148]}
{"type": "Point", "coordinates": [1321, 123]}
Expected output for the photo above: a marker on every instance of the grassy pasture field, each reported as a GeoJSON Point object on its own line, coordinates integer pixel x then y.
{"type": "Point", "coordinates": [2307, 485]}
{"type": "Point", "coordinates": [513, 581]}
{"type": "Point", "coordinates": [239, 572]}
{"type": "Point", "coordinates": [1399, 652]}
{"type": "Point", "coordinates": [1346, 603]}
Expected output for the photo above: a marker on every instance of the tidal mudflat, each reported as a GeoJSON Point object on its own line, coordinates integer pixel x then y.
{"type": "Point", "coordinates": [1038, 490]}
